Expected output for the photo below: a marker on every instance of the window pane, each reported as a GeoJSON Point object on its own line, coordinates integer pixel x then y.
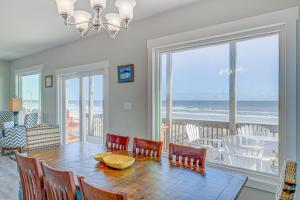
{"type": "Point", "coordinates": [258, 98]}
{"type": "Point", "coordinates": [30, 94]}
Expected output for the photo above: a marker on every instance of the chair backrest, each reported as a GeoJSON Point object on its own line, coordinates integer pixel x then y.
{"type": "Point", "coordinates": [31, 120]}
{"type": "Point", "coordinates": [189, 157]}
{"type": "Point", "coordinates": [5, 116]}
{"type": "Point", "coordinates": [192, 132]}
{"type": "Point", "coordinates": [117, 142]}
{"type": "Point", "coordinates": [254, 130]}
{"type": "Point", "coordinates": [242, 145]}
{"type": "Point", "coordinates": [287, 186]}
{"type": "Point", "coordinates": [31, 175]}
{"type": "Point", "coordinates": [90, 192]}
{"type": "Point", "coordinates": [59, 185]}
{"type": "Point", "coordinates": [148, 148]}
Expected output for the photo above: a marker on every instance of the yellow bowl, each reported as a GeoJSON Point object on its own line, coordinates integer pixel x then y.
{"type": "Point", "coordinates": [100, 156]}
{"type": "Point", "coordinates": [118, 161]}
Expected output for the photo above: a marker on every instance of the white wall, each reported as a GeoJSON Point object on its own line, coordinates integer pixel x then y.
{"type": "Point", "coordinates": [131, 47]}
{"type": "Point", "coordinates": [4, 84]}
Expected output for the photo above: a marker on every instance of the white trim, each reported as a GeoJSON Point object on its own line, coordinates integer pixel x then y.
{"type": "Point", "coordinates": [284, 22]}
{"type": "Point", "coordinates": [81, 70]}
{"type": "Point", "coordinates": [37, 69]}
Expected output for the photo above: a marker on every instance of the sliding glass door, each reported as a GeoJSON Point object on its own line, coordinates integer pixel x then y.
{"type": "Point", "coordinates": [83, 108]}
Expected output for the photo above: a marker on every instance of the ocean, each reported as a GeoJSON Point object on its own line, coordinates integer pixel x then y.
{"type": "Point", "coordinates": [262, 112]}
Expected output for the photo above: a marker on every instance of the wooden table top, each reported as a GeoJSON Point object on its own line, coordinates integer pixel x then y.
{"type": "Point", "coordinates": [146, 179]}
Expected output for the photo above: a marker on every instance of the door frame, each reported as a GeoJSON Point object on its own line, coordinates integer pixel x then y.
{"type": "Point", "coordinates": [80, 71]}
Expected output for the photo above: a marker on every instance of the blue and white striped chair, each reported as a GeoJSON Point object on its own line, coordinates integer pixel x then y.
{"type": "Point", "coordinates": [14, 138]}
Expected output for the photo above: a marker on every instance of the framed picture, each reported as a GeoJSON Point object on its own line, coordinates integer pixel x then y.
{"type": "Point", "coordinates": [126, 73]}
{"type": "Point", "coordinates": [49, 81]}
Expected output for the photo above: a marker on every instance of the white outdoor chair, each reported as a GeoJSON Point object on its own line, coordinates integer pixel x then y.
{"type": "Point", "coordinates": [254, 130]}
{"type": "Point", "coordinates": [243, 152]}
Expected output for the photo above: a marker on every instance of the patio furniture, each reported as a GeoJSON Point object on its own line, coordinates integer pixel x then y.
{"type": "Point", "coordinates": [148, 148]}
{"type": "Point", "coordinates": [287, 187]}
{"type": "Point", "coordinates": [90, 192]}
{"type": "Point", "coordinates": [255, 130]}
{"type": "Point", "coordinates": [241, 151]}
{"type": "Point", "coordinates": [195, 138]}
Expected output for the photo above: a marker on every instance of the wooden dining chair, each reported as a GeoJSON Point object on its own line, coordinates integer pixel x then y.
{"type": "Point", "coordinates": [148, 148]}
{"type": "Point", "coordinates": [59, 185]}
{"type": "Point", "coordinates": [90, 192]}
{"type": "Point", "coordinates": [117, 142]}
{"type": "Point", "coordinates": [187, 157]}
{"type": "Point", "coordinates": [31, 175]}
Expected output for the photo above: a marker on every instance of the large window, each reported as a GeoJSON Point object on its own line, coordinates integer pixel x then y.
{"type": "Point", "coordinates": [224, 97]}
{"type": "Point", "coordinates": [29, 89]}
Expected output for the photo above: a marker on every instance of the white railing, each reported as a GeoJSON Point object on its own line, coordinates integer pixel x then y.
{"type": "Point", "coordinates": [96, 126]}
{"type": "Point", "coordinates": [210, 130]}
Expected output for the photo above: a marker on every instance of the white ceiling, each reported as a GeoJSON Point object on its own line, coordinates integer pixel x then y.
{"type": "Point", "coordinates": [30, 26]}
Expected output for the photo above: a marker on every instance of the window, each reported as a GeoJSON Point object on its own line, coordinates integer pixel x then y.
{"type": "Point", "coordinates": [28, 88]}
{"type": "Point", "coordinates": [225, 97]}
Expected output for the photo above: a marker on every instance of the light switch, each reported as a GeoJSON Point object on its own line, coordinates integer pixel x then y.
{"type": "Point", "coordinates": [127, 106]}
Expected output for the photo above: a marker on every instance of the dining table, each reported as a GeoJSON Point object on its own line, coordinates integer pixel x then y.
{"type": "Point", "coordinates": [147, 178]}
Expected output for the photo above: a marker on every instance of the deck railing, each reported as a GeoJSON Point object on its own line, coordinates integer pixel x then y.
{"type": "Point", "coordinates": [97, 125]}
{"type": "Point", "coordinates": [210, 130]}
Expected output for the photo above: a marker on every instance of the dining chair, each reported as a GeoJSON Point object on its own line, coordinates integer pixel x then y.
{"type": "Point", "coordinates": [187, 157]}
{"type": "Point", "coordinates": [148, 148]}
{"type": "Point", "coordinates": [117, 142]}
{"type": "Point", "coordinates": [287, 187]}
{"type": "Point", "coordinates": [90, 192]}
{"type": "Point", "coordinates": [59, 185]}
{"type": "Point", "coordinates": [31, 175]}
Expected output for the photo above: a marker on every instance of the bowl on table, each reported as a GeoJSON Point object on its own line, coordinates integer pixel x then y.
{"type": "Point", "coordinates": [118, 161]}
{"type": "Point", "coordinates": [100, 156]}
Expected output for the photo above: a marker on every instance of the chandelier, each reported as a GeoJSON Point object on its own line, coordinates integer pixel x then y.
{"type": "Point", "coordinates": [84, 21]}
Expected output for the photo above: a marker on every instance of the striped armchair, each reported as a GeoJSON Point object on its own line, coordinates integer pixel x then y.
{"type": "Point", "coordinates": [14, 138]}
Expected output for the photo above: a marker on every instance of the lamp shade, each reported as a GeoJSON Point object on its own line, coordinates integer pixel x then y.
{"type": "Point", "coordinates": [15, 104]}
{"type": "Point", "coordinates": [115, 20]}
{"type": "Point", "coordinates": [126, 8]}
{"type": "Point", "coordinates": [101, 3]}
{"type": "Point", "coordinates": [82, 17]}
{"type": "Point", "coordinates": [65, 7]}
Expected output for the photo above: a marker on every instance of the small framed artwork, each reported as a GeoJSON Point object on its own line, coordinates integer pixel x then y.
{"type": "Point", "coordinates": [49, 81]}
{"type": "Point", "coordinates": [126, 73]}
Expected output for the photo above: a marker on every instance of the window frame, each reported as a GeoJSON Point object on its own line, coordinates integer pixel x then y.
{"type": "Point", "coordinates": [280, 22]}
{"type": "Point", "coordinates": [38, 69]}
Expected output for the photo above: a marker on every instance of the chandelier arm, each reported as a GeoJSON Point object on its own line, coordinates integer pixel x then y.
{"type": "Point", "coordinates": [87, 31]}
{"type": "Point", "coordinates": [120, 27]}
{"type": "Point", "coordinates": [107, 32]}
{"type": "Point", "coordinates": [74, 24]}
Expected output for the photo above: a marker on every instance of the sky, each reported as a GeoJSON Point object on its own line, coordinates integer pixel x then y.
{"type": "Point", "coordinates": [203, 73]}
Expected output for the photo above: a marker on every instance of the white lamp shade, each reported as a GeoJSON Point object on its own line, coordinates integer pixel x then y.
{"type": "Point", "coordinates": [65, 6]}
{"type": "Point", "coordinates": [114, 19]}
{"type": "Point", "coordinates": [82, 17]}
{"type": "Point", "coordinates": [101, 3]}
{"type": "Point", "coordinates": [126, 8]}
